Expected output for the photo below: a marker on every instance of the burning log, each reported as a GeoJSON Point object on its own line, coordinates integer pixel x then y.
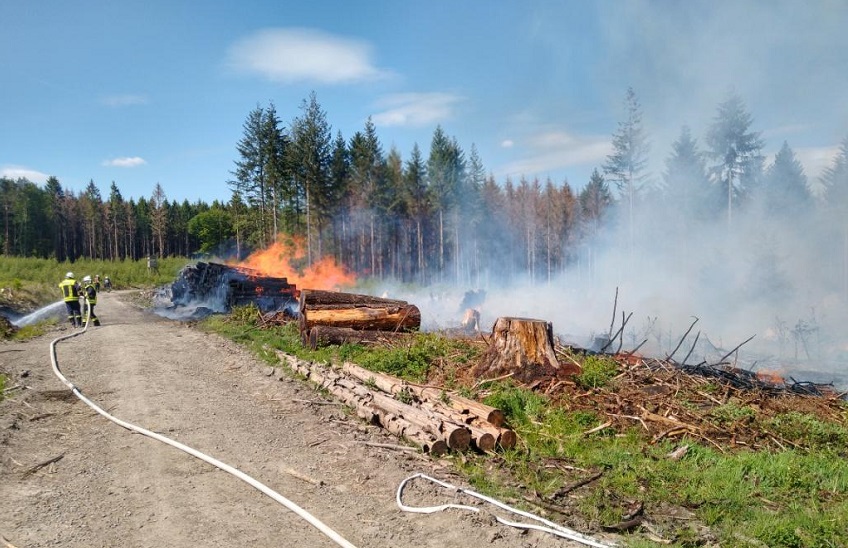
{"type": "Point", "coordinates": [352, 311]}
{"type": "Point", "coordinates": [324, 335]}
{"type": "Point", "coordinates": [525, 348]}
{"type": "Point", "coordinates": [220, 287]}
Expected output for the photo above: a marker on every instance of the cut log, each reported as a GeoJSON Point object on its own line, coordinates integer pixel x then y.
{"type": "Point", "coordinates": [464, 406]}
{"type": "Point", "coordinates": [485, 435]}
{"type": "Point", "coordinates": [312, 298]}
{"type": "Point", "coordinates": [324, 335]}
{"type": "Point", "coordinates": [405, 317]}
{"type": "Point", "coordinates": [432, 433]}
{"type": "Point", "coordinates": [524, 348]}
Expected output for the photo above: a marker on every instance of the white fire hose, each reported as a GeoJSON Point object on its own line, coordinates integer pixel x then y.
{"type": "Point", "coordinates": [335, 537]}
{"type": "Point", "coordinates": [548, 527]}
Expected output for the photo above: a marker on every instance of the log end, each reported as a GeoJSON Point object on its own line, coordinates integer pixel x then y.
{"type": "Point", "coordinates": [495, 417]}
{"type": "Point", "coordinates": [437, 448]}
{"type": "Point", "coordinates": [459, 439]}
{"type": "Point", "coordinates": [507, 439]}
{"type": "Point", "coordinates": [485, 442]}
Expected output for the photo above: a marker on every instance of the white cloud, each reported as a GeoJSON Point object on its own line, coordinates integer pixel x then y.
{"type": "Point", "coordinates": [20, 172]}
{"type": "Point", "coordinates": [415, 109]}
{"type": "Point", "coordinates": [125, 100]}
{"type": "Point", "coordinates": [507, 143]}
{"type": "Point", "coordinates": [128, 161]}
{"type": "Point", "coordinates": [303, 55]}
{"type": "Point", "coordinates": [549, 151]}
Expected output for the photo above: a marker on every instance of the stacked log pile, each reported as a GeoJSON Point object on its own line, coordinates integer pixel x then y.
{"type": "Point", "coordinates": [428, 417]}
{"type": "Point", "coordinates": [331, 317]}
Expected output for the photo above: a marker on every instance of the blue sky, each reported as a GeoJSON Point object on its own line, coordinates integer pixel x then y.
{"type": "Point", "coordinates": [140, 92]}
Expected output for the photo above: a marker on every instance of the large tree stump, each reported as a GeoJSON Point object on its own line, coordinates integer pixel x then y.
{"type": "Point", "coordinates": [524, 348]}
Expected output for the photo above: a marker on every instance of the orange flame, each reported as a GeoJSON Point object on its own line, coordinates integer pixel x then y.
{"type": "Point", "coordinates": [771, 377]}
{"type": "Point", "coordinates": [280, 259]}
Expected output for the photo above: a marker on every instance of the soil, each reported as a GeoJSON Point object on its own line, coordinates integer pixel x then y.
{"type": "Point", "coordinates": [70, 477]}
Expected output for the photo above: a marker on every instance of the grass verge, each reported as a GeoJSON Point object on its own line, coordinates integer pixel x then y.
{"type": "Point", "coordinates": [592, 477]}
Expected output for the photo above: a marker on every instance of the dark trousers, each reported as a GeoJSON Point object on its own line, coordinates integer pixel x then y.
{"type": "Point", "coordinates": [90, 310]}
{"type": "Point", "coordinates": [74, 315]}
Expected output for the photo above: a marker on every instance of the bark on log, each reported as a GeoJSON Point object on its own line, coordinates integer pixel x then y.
{"type": "Point", "coordinates": [430, 433]}
{"type": "Point", "coordinates": [396, 318]}
{"type": "Point", "coordinates": [324, 335]}
{"type": "Point", "coordinates": [464, 406]}
{"type": "Point", "coordinates": [485, 435]}
{"type": "Point", "coordinates": [523, 347]}
{"type": "Point", "coordinates": [310, 298]}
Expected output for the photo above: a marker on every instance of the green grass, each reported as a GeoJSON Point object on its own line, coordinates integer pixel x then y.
{"type": "Point", "coordinates": [796, 497]}
{"type": "Point", "coordinates": [29, 283]}
{"type": "Point", "coordinates": [39, 277]}
{"type": "Point", "coordinates": [2, 386]}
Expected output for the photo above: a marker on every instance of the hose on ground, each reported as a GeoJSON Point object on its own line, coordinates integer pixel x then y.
{"type": "Point", "coordinates": [315, 522]}
{"type": "Point", "coordinates": [548, 527]}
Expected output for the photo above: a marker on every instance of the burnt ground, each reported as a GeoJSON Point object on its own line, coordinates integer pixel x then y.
{"type": "Point", "coordinates": [69, 477]}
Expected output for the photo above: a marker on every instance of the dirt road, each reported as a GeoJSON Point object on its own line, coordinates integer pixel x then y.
{"type": "Point", "coordinates": [108, 486]}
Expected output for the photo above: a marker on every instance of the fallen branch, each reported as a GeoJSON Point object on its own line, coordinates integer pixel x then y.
{"type": "Point", "coordinates": [295, 474]}
{"type": "Point", "coordinates": [738, 346]}
{"type": "Point", "coordinates": [390, 446]}
{"type": "Point", "coordinates": [683, 338]}
{"type": "Point", "coordinates": [41, 465]}
{"type": "Point", "coordinates": [559, 493]}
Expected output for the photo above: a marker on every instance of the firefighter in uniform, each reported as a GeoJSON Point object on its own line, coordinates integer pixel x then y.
{"type": "Point", "coordinates": [70, 294]}
{"type": "Point", "coordinates": [90, 293]}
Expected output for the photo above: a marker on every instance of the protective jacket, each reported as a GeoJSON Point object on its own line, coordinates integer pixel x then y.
{"type": "Point", "coordinates": [90, 293]}
{"type": "Point", "coordinates": [70, 290]}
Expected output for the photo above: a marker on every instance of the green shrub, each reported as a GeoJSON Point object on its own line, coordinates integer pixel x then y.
{"type": "Point", "coordinates": [597, 372]}
{"type": "Point", "coordinates": [809, 431]}
{"type": "Point", "coordinates": [732, 413]}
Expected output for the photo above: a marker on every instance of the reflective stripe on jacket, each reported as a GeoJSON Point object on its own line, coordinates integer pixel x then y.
{"type": "Point", "coordinates": [90, 293]}
{"type": "Point", "coordinates": [70, 292]}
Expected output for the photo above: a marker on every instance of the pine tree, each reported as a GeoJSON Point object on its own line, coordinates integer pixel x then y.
{"type": "Point", "coordinates": [626, 165]}
{"type": "Point", "coordinates": [366, 168]}
{"type": "Point", "coordinates": [688, 191]}
{"type": "Point", "coordinates": [55, 199]}
{"type": "Point", "coordinates": [159, 218]}
{"type": "Point", "coordinates": [417, 204]}
{"type": "Point", "coordinates": [735, 151]}
{"type": "Point", "coordinates": [115, 216]}
{"type": "Point", "coordinates": [784, 191]}
{"type": "Point", "coordinates": [446, 175]}
{"type": "Point", "coordinates": [835, 182]}
{"type": "Point", "coordinates": [310, 163]}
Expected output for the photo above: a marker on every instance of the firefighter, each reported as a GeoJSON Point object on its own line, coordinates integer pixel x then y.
{"type": "Point", "coordinates": [90, 293]}
{"type": "Point", "coordinates": [70, 294]}
{"type": "Point", "coordinates": [107, 284]}
{"type": "Point", "coordinates": [97, 282]}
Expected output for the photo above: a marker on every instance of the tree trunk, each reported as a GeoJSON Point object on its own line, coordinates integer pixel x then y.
{"type": "Point", "coordinates": [524, 349]}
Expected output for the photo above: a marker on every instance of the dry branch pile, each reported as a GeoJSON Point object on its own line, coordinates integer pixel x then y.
{"type": "Point", "coordinates": [427, 417]}
{"type": "Point", "coordinates": [669, 401]}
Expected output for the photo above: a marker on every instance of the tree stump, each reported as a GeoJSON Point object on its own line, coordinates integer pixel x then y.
{"type": "Point", "coordinates": [525, 348]}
